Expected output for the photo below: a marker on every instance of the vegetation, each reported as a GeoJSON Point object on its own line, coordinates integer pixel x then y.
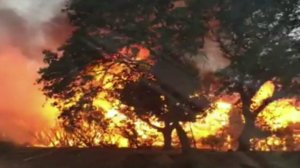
{"type": "Point", "coordinates": [144, 37]}
{"type": "Point", "coordinates": [257, 38]}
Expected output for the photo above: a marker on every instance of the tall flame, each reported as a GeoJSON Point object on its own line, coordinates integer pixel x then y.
{"type": "Point", "coordinates": [264, 92]}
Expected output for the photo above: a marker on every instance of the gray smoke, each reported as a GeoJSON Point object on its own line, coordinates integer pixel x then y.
{"type": "Point", "coordinates": [30, 25]}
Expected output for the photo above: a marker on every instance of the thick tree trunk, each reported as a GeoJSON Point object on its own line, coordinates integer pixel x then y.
{"type": "Point", "coordinates": [249, 130]}
{"type": "Point", "coordinates": [183, 138]}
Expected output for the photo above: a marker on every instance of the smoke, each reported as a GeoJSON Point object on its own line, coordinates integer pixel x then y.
{"type": "Point", "coordinates": [31, 25]}
{"type": "Point", "coordinates": [211, 58]}
{"type": "Point", "coordinates": [26, 28]}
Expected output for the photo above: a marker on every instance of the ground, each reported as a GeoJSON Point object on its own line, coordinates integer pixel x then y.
{"type": "Point", "coordinates": [20, 157]}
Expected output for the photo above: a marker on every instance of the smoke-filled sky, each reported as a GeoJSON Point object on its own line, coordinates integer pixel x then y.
{"type": "Point", "coordinates": [26, 28]}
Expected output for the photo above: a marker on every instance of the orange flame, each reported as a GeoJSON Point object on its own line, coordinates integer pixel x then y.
{"type": "Point", "coordinates": [264, 92]}
{"type": "Point", "coordinates": [281, 116]}
{"type": "Point", "coordinates": [217, 128]}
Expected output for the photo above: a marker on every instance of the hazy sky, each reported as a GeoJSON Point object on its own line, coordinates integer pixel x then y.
{"type": "Point", "coordinates": [26, 28]}
{"type": "Point", "coordinates": [29, 24]}
{"type": "Point", "coordinates": [34, 11]}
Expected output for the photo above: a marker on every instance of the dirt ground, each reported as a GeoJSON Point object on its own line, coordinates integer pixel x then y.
{"type": "Point", "coordinates": [16, 157]}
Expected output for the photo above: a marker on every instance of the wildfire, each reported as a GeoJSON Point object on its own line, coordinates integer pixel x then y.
{"type": "Point", "coordinates": [272, 143]}
{"type": "Point", "coordinates": [280, 117]}
{"type": "Point", "coordinates": [205, 130]}
{"type": "Point", "coordinates": [122, 125]}
{"type": "Point", "coordinates": [205, 127]}
{"type": "Point", "coordinates": [264, 92]}
{"type": "Point", "coordinates": [216, 118]}
{"type": "Point", "coordinates": [120, 117]}
{"type": "Point", "coordinates": [217, 128]}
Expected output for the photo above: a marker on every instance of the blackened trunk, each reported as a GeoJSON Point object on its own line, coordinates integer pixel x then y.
{"type": "Point", "coordinates": [184, 140]}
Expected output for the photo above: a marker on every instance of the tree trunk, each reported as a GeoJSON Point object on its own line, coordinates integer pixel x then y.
{"type": "Point", "coordinates": [249, 130]}
{"type": "Point", "coordinates": [167, 133]}
{"type": "Point", "coordinates": [184, 140]}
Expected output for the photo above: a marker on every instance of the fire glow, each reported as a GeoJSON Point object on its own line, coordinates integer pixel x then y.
{"type": "Point", "coordinates": [217, 128]}
{"type": "Point", "coordinates": [112, 109]}
{"type": "Point", "coordinates": [215, 124]}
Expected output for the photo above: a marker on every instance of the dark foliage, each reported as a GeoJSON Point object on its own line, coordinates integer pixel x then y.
{"type": "Point", "coordinates": [254, 35]}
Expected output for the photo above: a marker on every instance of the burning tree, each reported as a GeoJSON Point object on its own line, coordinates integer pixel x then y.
{"type": "Point", "coordinates": [257, 35]}
{"type": "Point", "coordinates": [130, 59]}
{"type": "Point", "coordinates": [117, 47]}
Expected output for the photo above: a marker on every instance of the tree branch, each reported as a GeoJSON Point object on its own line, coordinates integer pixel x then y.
{"type": "Point", "coordinates": [150, 124]}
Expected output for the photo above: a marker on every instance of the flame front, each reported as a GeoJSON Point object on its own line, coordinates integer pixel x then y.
{"type": "Point", "coordinates": [120, 117]}
{"type": "Point", "coordinates": [280, 117]}
{"type": "Point", "coordinates": [208, 129]}
{"type": "Point", "coordinates": [217, 128]}
{"type": "Point", "coordinates": [121, 122]}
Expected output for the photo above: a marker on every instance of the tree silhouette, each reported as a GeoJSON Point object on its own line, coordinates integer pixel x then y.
{"type": "Point", "coordinates": [104, 28]}
{"type": "Point", "coordinates": [254, 35]}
